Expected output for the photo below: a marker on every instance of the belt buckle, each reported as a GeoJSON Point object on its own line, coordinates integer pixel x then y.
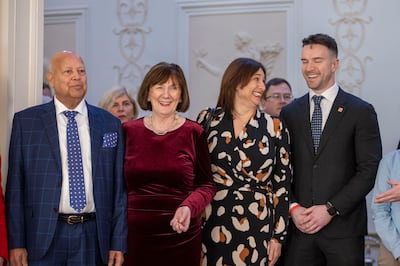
{"type": "Point", "coordinates": [70, 219]}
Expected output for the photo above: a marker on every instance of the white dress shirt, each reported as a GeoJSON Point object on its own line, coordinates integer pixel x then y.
{"type": "Point", "coordinates": [326, 102]}
{"type": "Point", "coordinates": [82, 121]}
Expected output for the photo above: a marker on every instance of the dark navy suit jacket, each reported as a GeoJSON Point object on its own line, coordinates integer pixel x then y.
{"type": "Point", "coordinates": [35, 175]}
{"type": "Point", "coordinates": [343, 170]}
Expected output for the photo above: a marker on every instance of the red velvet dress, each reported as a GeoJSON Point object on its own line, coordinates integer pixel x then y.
{"type": "Point", "coordinates": [164, 172]}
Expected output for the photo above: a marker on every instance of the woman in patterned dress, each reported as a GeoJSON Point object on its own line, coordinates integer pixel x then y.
{"type": "Point", "coordinates": [246, 223]}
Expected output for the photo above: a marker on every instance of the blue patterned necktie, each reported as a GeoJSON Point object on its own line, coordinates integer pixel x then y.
{"type": "Point", "coordinates": [316, 122]}
{"type": "Point", "coordinates": [77, 195]}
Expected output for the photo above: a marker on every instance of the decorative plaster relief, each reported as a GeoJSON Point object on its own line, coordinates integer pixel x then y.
{"type": "Point", "coordinates": [132, 15]}
{"type": "Point", "coordinates": [264, 53]}
{"type": "Point", "coordinates": [202, 63]}
{"type": "Point", "coordinates": [350, 35]}
{"type": "Point", "coordinates": [213, 33]}
{"type": "Point", "coordinates": [243, 41]}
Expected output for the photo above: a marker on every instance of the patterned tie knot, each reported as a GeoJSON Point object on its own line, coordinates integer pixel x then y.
{"type": "Point", "coordinates": [70, 114]}
{"type": "Point", "coordinates": [317, 99]}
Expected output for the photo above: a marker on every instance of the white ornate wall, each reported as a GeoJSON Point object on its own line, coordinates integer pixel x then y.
{"type": "Point", "coordinates": [132, 32]}
{"type": "Point", "coordinates": [120, 39]}
{"type": "Point", "coordinates": [350, 23]}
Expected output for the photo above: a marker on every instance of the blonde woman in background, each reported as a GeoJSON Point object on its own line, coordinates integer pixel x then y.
{"type": "Point", "coordinates": [118, 102]}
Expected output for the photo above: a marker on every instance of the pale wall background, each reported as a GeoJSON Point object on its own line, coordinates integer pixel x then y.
{"type": "Point", "coordinates": [200, 36]}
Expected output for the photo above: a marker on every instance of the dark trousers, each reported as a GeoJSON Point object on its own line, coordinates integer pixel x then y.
{"type": "Point", "coordinates": [317, 250]}
{"type": "Point", "coordinates": [73, 244]}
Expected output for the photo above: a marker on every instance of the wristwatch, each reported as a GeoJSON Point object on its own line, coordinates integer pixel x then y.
{"type": "Point", "coordinates": [331, 209]}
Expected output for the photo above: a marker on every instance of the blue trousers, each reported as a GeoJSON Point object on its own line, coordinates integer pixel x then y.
{"type": "Point", "coordinates": [73, 244]}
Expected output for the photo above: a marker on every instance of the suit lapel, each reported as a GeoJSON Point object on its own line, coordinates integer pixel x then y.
{"type": "Point", "coordinates": [49, 120]}
{"type": "Point", "coordinates": [339, 108]}
{"type": "Point", "coordinates": [96, 134]}
{"type": "Point", "coordinates": [304, 120]}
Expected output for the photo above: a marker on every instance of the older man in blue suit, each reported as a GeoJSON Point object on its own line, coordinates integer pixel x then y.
{"type": "Point", "coordinates": [45, 226]}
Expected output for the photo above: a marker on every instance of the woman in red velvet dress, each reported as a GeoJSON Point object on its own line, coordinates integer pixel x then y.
{"type": "Point", "coordinates": [167, 172]}
{"type": "Point", "coordinates": [3, 231]}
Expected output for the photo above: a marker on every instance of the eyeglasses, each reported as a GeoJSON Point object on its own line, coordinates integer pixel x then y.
{"type": "Point", "coordinates": [278, 96]}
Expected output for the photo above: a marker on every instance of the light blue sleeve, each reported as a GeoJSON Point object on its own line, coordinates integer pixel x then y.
{"type": "Point", "coordinates": [386, 216]}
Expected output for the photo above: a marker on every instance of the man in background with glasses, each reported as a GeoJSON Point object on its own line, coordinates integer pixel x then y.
{"type": "Point", "coordinates": [277, 94]}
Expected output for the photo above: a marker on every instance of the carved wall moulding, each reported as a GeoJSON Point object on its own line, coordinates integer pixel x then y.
{"type": "Point", "coordinates": [265, 53]}
{"type": "Point", "coordinates": [132, 15]}
{"type": "Point", "coordinates": [212, 34]}
{"type": "Point", "coordinates": [350, 35]}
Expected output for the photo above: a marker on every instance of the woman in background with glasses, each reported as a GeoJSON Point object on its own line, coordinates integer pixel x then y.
{"type": "Point", "coordinates": [277, 94]}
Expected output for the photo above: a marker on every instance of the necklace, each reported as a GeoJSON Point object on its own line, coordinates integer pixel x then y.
{"type": "Point", "coordinates": [244, 122]}
{"type": "Point", "coordinates": [241, 121]}
{"type": "Point", "coordinates": [163, 132]}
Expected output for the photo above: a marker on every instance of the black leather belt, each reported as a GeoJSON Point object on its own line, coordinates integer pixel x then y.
{"type": "Point", "coordinates": [76, 218]}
